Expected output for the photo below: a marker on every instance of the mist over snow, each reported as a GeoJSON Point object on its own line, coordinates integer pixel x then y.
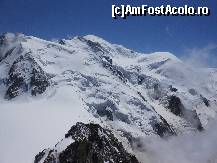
{"type": "Point", "coordinates": [199, 147]}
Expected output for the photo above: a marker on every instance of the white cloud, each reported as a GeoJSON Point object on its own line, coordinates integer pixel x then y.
{"type": "Point", "coordinates": [198, 147]}
{"type": "Point", "coordinates": [202, 57]}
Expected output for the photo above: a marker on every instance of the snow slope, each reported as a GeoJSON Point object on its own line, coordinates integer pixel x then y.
{"type": "Point", "coordinates": [46, 87]}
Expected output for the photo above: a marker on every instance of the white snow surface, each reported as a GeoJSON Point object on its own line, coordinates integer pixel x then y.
{"type": "Point", "coordinates": [80, 82]}
{"type": "Point", "coordinates": [28, 126]}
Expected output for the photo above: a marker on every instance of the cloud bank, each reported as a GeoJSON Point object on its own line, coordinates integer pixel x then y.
{"type": "Point", "coordinates": [202, 57]}
{"type": "Point", "coordinates": [198, 147]}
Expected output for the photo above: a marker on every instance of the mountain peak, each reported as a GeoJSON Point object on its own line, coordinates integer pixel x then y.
{"type": "Point", "coordinates": [94, 38]}
{"type": "Point", "coordinates": [87, 79]}
{"type": "Point", "coordinates": [87, 143]}
{"type": "Point", "coordinates": [164, 55]}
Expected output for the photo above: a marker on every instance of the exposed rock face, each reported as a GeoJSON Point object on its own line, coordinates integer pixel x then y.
{"type": "Point", "coordinates": [173, 89]}
{"type": "Point", "coordinates": [163, 128]}
{"type": "Point", "coordinates": [89, 143]}
{"type": "Point", "coordinates": [205, 100]}
{"type": "Point", "coordinates": [176, 107]}
{"type": "Point", "coordinates": [25, 74]}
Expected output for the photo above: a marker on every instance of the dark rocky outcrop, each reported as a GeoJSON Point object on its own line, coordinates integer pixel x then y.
{"type": "Point", "coordinates": [162, 128]}
{"type": "Point", "coordinates": [62, 42]}
{"type": "Point", "coordinates": [24, 75]}
{"type": "Point", "coordinates": [38, 82]}
{"type": "Point", "coordinates": [91, 144]}
{"type": "Point", "coordinates": [176, 107]}
{"type": "Point", "coordinates": [173, 89]}
{"type": "Point", "coordinates": [205, 100]}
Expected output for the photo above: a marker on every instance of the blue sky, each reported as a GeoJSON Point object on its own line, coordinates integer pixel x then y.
{"type": "Point", "coordinates": [61, 18]}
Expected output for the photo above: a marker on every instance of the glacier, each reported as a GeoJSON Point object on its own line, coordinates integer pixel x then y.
{"type": "Point", "coordinates": [48, 86]}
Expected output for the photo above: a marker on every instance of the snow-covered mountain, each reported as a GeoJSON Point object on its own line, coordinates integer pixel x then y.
{"type": "Point", "coordinates": [87, 143]}
{"type": "Point", "coordinates": [46, 87]}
